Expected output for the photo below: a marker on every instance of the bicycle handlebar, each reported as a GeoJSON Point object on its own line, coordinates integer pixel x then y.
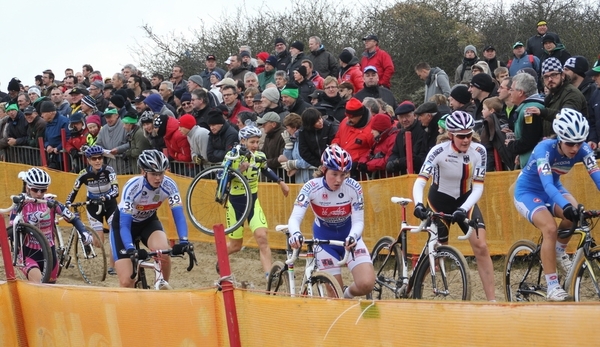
{"type": "Point", "coordinates": [23, 199]}
{"type": "Point", "coordinates": [236, 151]}
{"type": "Point", "coordinates": [345, 259]}
{"type": "Point", "coordinates": [87, 202]}
{"type": "Point", "coordinates": [441, 215]}
{"type": "Point", "coordinates": [583, 214]}
{"type": "Point", "coordinates": [189, 249]}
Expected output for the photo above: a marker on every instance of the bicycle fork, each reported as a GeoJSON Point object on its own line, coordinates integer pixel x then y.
{"type": "Point", "coordinates": [159, 281]}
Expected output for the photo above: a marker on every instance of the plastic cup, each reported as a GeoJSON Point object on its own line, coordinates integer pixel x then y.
{"type": "Point", "coordinates": [528, 118]}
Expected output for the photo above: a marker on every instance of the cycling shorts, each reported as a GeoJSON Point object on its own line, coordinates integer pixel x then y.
{"type": "Point", "coordinates": [256, 218]}
{"type": "Point", "coordinates": [529, 202]}
{"type": "Point", "coordinates": [34, 259]}
{"type": "Point", "coordinates": [327, 257]}
{"type": "Point", "coordinates": [139, 231]}
{"type": "Point", "coordinates": [96, 219]}
{"type": "Point", "coordinates": [441, 202]}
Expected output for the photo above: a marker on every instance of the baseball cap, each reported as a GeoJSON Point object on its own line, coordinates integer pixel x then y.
{"type": "Point", "coordinates": [211, 57]}
{"type": "Point", "coordinates": [517, 44]}
{"type": "Point", "coordinates": [370, 37]}
{"type": "Point", "coordinates": [370, 68]}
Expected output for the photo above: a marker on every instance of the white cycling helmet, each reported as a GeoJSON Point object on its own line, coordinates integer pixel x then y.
{"type": "Point", "coordinates": [571, 126]}
{"type": "Point", "coordinates": [152, 160]}
{"type": "Point", "coordinates": [36, 178]}
{"type": "Point", "coordinates": [249, 131]}
{"type": "Point", "coordinates": [459, 120]}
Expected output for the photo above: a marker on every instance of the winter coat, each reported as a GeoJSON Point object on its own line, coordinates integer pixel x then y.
{"type": "Point", "coordinates": [137, 143]}
{"type": "Point", "coordinates": [493, 139]}
{"type": "Point", "coordinates": [324, 62]}
{"type": "Point", "coordinates": [303, 168]}
{"type": "Point", "coordinates": [237, 73]}
{"type": "Point", "coordinates": [77, 140]}
{"type": "Point", "coordinates": [356, 139]}
{"type": "Point", "coordinates": [283, 60]}
{"type": "Point", "coordinates": [273, 147]}
{"type": "Point", "coordinates": [221, 143]}
{"type": "Point", "coordinates": [305, 88]}
{"type": "Point", "coordinates": [317, 80]}
{"type": "Point", "coordinates": [198, 139]}
{"type": "Point", "coordinates": [377, 92]}
{"type": "Point", "coordinates": [463, 71]}
{"type": "Point", "coordinates": [535, 44]}
{"type": "Point", "coordinates": [294, 64]}
{"type": "Point", "coordinates": [382, 62]}
{"type": "Point", "coordinates": [35, 130]}
{"type": "Point", "coordinates": [53, 137]}
{"type": "Point", "coordinates": [111, 137]}
{"type": "Point", "coordinates": [396, 162]}
{"type": "Point", "coordinates": [559, 52]}
{"type": "Point", "coordinates": [352, 73]}
{"type": "Point", "coordinates": [205, 74]}
{"type": "Point", "coordinates": [265, 78]}
{"type": "Point", "coordinates": [517, 63]}
{"type": "Point", "coordinates": [232, 118]}
{"type": "Point", "coordinates": [566, 96]}
{"type": "Point", "coordinates": [177, 144]}
{"type": "Point", "coordinates": [335, 108]}
{"type": "Point", "coordinates": [527, 136]}
{"type": "Point", "coordinates": [437, 83]}
{"type": "Point", "coordinates": [17, 129]}
{"type": "Point", "coordinates": [380, 151]}
{"type": "Point", "coordinates": [312, 142]}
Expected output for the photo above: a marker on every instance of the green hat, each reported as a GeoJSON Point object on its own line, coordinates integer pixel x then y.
{"type": "Point", "coordinates": [291, 91]}
{"type": "Point", "coordinates": [110, 111]}
{"type": "Point", "coordinates": [129, 119]}
{"type": "Point", "coordinates": [11, 107]}
{"type": "Point", "coordinates": [442, 122]}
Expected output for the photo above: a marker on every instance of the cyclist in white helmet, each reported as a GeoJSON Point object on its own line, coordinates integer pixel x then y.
{"type": "Point", "coordinates": [539, 184]}
{"type": "Point", "coordinates": [458, 169]}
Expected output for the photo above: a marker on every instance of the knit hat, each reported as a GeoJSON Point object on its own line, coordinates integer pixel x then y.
{"type": "Point", "coordinates": [117, 100]}
{"type": "Point", "coordinates": [271, 60]}
{"type": "Point", "coordinates": [405, 107]}
{"type": "Point", "coordinates": [14, 85]}
{"type": "Point", "coordinates": [196, 79]}
{"type": "Point", "coordinates": [484, 82]}
{"type": "Point", "coordinates": [302, 71]}
{"type": "Point", "coordinates": [549, 38]}
{"type": "Point", "coordinates": [187, 121]}
{"type": "Point", "coordinates": [46, 106]}
{"type": "Point", "coordinates": [263, 56]}
{"type": "Point", "coordinates": [290, 90]}
{"type": "Point", "coordinates": [98, 84]}
{"type": "Point", "coordinates": [129, 119]}
{"type": "Point", "coordinates": [461, 93]}
{"type": "Point", "coordinates": [12, 107]}
{"type": "Point", "coordinates": [381, 122]}
{"type": "Point", "coordinates": [280, 40]}
{"type": "Point", "coordinates": [215, 117]}
{"type": "Point", "coordinates": [470, 48]}
{"type": "Point", "coordinates": [578, 64]}
{"type": "Point", "coordinates": [355, 108]}
{"type": "Point", "coordinates": [271, 94]}
{"type": "Point", "coordinates": [89, 100]}
{"type": "Point", "coordinates": [76, 117]}
{"type": "Point", "coordinates": [179, 92]}
{"type": "Point", "coordinates": [35, 90]}
{"type": "Point", "coordinates": [345, 56]}
{"type": "Point", "coordinates": [244, 54]}
{"type": "Point", "coordinates": [186, 97]}
{"type": "Point", "coordinates": [155, 102]}
{"type": "Point", "coordinates": [94, 119]}
{"type": "Point", "coordinates": [298, 45]}
{"type": "Point", "coordinates": [551, 64]}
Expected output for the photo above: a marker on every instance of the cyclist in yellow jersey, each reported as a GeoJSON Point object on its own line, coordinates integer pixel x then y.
{"type": "Point", "coordinates": [251, 166]}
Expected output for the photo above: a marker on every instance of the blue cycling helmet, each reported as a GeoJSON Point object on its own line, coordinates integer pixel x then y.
{"type": "Point", "coordinates": [336, 158]}
{"type": "Point", "coordinates": [93, 151]}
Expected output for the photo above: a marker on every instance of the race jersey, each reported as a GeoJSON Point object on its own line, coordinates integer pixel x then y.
{"type": "Point", "coordinates": [337, 213]}
{"type": "Point", "coordinates": [99, 184]}
{"type": "Point", "coordinates": [258, 164]}
{"type": "Point", "coordinates": [542, 172]}
{"type": "Point", "coordinates": [454, 173]}
{"type": "Point", "coordinates": [140, 202]}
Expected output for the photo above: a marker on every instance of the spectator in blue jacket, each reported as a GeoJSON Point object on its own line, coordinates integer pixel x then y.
{"type": "Point", "coordinates": [52, 137]}
{"type": "Point", "coordinates": [522, 60]}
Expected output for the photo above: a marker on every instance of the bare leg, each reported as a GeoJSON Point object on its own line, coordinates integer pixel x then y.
{"type": "Point", "coordinates": [260, 235]}
{"type": "Point", "coordinates": [485, 267]}
{"type": "Point", "coordinates": [158, 240]}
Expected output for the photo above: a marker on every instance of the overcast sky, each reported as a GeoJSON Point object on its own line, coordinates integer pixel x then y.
{"type": "Point", "coordinates": [41, 34]}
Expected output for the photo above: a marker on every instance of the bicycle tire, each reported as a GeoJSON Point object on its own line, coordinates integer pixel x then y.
{"type": "Point", "coordinates": [204, 211]}
{"type": "Point", "coordinates": [585, 284]}
{"type": "Point", "coordinates": [46, 251]}
{"type": "Point", "coordinates": [523, 273]}
{"type": "Point", "coordinates": [324, 285]}
{"type": "Point", "coordinates": [388, 264]}
{"type": "Point", "coordinates": [454, 283]}
{"type": "Point", "coordinates": [60, 254]}
{"type": "Point", "coordinates": [91, 263]}
{"type": "Point", "coordinates": [278, 281]}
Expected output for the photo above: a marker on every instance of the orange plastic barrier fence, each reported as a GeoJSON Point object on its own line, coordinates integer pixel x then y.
{"type": "Point", "coordinates": [504, 225]}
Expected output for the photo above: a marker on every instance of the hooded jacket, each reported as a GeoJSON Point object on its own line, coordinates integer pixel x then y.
{"type": "Point", "coordinates": [221, 143]}
{"type": "Point", "coordinates": [351, 73]}
{"type": "Point", "coordinates": [312, 142]}
{"type": "Point", "coordinates": [176, 143]}
{"type": "Point", "coordinates": [324, 62]}
{"type": "Point", "coordinates": [356, 139]}
{"type": "Point", "coordinates": [437, 83]}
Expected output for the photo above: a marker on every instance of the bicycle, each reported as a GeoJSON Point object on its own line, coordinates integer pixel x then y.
{"type": "Point", "coordinates": [281, 279]}
{"type": "Point", "coordinates": [449, 278]}
{"type": "Point", "coordinates": [142, 260]}
{"type": "Point", "coordinates": [20, 233]}
{"type": "Point", "coordinates": [524, 275]}
{"type": "Point", "coordinates": [208, 195]}
{"type": "Point", "coordinates": [91, 259]}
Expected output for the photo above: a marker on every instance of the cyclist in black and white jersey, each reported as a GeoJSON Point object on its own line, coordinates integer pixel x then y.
{"type": "Point", "coordinates": [458, 170]}
{"type": "Point", "coordinates": [136, 219]}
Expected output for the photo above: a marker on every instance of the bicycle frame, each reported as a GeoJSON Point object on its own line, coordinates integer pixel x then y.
{"type": "Point", "coordinates": [153, 262]}
{"type": "Point", "coordinates": [222, 193]}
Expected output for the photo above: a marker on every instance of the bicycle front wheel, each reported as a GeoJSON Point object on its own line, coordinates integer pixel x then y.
{"type": "Point", "coordinates": [91, 259]}
{"type": "Point", "coordinates": [278, 281]}
{"type": "Point", "coordinates": [43, 255]}
{"type": "Point", "coordinates": [388, 264]}
{"type": "Point", "coordinates": [585, 284]}
{"type": "Point", "coordinates": [207, 201]}
{"type": "Point", "coordinates": [451, 278]}
{"type": "Point", "coordinates": [523, 273]}
{"type": "Point", "coordinates": [324, 285]}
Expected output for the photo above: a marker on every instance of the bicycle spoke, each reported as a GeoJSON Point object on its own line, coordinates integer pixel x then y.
{"type": "Point", "coordinates": [524, 278]}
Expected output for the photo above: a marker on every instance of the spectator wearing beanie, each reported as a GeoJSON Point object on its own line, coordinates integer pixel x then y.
{"type": "Point", "coordinates": [271, 102]}
{"type": "Point", "coordinates": [186, 104]}
{"type": "Point", "coordinates": [196, 136]}
{"type": "Point", "coordinates": [117, 101]}
{"type": "Point", "coordinates": [14, 87]}
{"type": "Point", "coordinates": [290, 97]}
{"type": "Point", "coordinates": [138, 142]}
{"type": "Point", "coordinates": [52, 138]}
{"type": "Point", "coordinates": [222, 137]}
{"type": "Point", "coordinates": [15, 131]}
{"type": "Point", "coordinates": [354, 134]}
{"type": "Point", "coordinates": [384, 134]}
{"type": "Point", "coordinates": [576, 68]}
{"type": "Point", "coordinates": [460, 99]}
{"type": "Point", "coordinates": [350, 70]}
{"type": "Point", "coordinates": [113, 137]}
{"type": "Point", "coordinates": [305, 86]}
{"type": "Point", "coordinates": [157, 105]}
{"type": "Point", "coordinates": [297, 53]}
{"type": "Point", "coordinates": [463, 71]}
{"type": "Point", "coordinates": [268, 75]}
{"type": "Point", "coordinates": [261, 60]}
{"type": "Point", "coordinates": [93, 125]}
{"type": "Point", "coordinates": [177, 145]}
{"type": "Point", "coordinates": [482, 87]}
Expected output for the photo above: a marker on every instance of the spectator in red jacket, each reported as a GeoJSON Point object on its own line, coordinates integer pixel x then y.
{"type": "Point", "coordinates": [79, 134]}
{"type": "Point", "coordinates": [177, 145]}
{"type": "Point", "coordinates": [350, 70]}
{"type": "Point", "coordinates": [354, 134]}
{"type": "Point", "coordinates": [384, 133]}
{"type": "Point", "coordinates": [374, 56]}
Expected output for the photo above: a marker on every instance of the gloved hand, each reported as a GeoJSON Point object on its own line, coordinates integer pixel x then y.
{"type": "Point", "coordinates": [68, 204]}
{"type": "Point", "coordinates": [141, 254]}
{"type": "Point", "coordinates": [362, 167]}
{"type": "Point", "coordinates": [421, 211]}
{"type": "Point", "coordinates": [244, 151]}
{"type": "Point", "coordinates": [197, 159]}
{"type": "Point", "coordinates": [74, 153]}
{"type": "Point", "coordinates": [350, 240]}
{"type": "Point", "coordinates": [289, 144]}
{"type": "Point", "coordinates": [96, 201]}
{"type": "Point", "coordinates": [296, 239]}
{"type": "Point", "coordinates": [459, 216]}
{"type": "Point", "coordinates": [180, 248]}
{"type": "Point", "coordinates": [571, 213]}
{"type": "Point", "coordinates": [289, 165]}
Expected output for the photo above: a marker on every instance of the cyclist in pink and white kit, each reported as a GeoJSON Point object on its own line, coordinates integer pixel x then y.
{"type": "Point", "coordinates": [36, 182]}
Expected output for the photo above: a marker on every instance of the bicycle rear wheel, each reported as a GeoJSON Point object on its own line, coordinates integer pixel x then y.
{"type": "Point", "coordinates": [206, 207]}
{"type": "Point", "coordinates": [452, 280]}
{"type": "Point", "coordinates": [388, 264]}
{"type": "Point", "coordinates": [278, 281]}
{"type": "Point", "coordinates": [523, 273]}
{"type": "Point", "coordinates": [324, 285]}
{"type": "Point", "coordinates": [44, 254]}
{"type": "Point", "coordinates": [61, 257]}
{"type": "Point", "coordinates": [91, 259]}
{"type": "Point", "coordinates": [585, 284]}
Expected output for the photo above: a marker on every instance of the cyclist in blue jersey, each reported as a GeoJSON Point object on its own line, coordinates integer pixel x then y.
{"type": "Point", "coordinates": [337, 203]}
{"type": "Point", "coordinates": [539, 184]}
{"type": "Point", "coordinates": [136, 219]}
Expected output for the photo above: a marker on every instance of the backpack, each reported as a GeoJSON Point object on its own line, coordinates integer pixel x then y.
{"type": "Point", "coordinates": [530, 61]}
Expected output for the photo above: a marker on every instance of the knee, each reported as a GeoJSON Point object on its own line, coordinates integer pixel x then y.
{"type": "Point", "coordinates": [364, 285]}
{"type": "Point", "coordinates": [234, 246]}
